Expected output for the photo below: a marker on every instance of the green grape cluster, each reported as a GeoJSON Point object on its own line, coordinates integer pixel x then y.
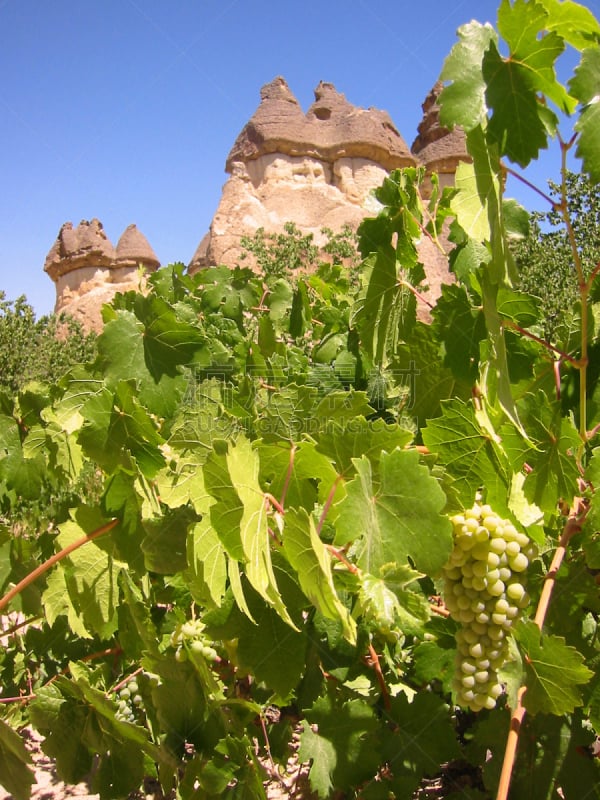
{"type": "Point", "coordinates": [190, 637]}
{"type": "Point", "coordinates": [129, 702]}
{"type": "Point", "coordinates": [484, 591]}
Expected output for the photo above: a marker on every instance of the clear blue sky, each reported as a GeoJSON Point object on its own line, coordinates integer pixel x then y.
{"type": "Point", "coordinates": [125, 110]}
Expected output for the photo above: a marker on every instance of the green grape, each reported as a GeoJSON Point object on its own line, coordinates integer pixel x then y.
{"type": "Point", "coordinates": [484, 597]}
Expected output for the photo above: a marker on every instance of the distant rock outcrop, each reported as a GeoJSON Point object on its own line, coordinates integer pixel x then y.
{"type": "Point", "coordinates": [88, 270]}
{"type": "Point", "coordinates": [315, 169]}
{"type": "Point", "coordinates": [318, 169]}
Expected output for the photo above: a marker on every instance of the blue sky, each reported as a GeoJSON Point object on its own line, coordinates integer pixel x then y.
{"type": "Point", "coordinates": [125, 110]}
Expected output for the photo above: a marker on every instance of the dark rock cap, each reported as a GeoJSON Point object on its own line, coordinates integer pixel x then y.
{"type": "Point", "coordinates": [332, 128]}
{"type": "Point", "coordinates": [86, 245]}
{"type": "Point", "coordinates": [134, 248]}
{"type": "Point", "coordinates": [435, 146]}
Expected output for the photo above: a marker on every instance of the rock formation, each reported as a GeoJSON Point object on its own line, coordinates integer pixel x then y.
{"type": "Point", "coordinates": [315, 169]}
{"type": "Point", "coordinates": [88, 270]}
{"type": "Point", "coordinates": [439, 149]}
{"type": "Point", "coordinates": [318, 169]}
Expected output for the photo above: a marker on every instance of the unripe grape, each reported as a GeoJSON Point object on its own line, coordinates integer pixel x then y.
{"type": "Point", "coordinates": [519, 563]}
{"type": "Point", "coordinates": [512, 548]}
{"type": "Point", "coordinates": [484, 597]}
{"type": "Point", "coordinates": [497, 545]}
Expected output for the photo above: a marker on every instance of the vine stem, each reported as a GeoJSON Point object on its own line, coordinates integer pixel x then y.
{"type": "Point", "coordinates": [46, 565]}
{"type": "Point", "coordinates": [532, 186]}
{"type": "Point", "coordinates": [573, 525]}
{"type": "Point", "coordinates": [374, 661]}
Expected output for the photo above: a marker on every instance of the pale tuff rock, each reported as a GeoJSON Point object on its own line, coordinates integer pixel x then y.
{"type": "Point", "coordinates": [318, 169]}
{"type": "Point", "coordinates": [315, 169]}
{"type": "Point", "coordinates": [88, 270]}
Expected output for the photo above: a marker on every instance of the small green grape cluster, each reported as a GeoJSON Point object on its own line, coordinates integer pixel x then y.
{"type": "Point", "coordinates": [129, 702]}
{"type": "Point", "coordinates": [484, 591]}
{"type": "Point", "coordinates": [190, 637]}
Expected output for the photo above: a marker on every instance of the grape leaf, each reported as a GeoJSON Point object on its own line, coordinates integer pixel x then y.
{"type": "Point", "coordinates": [435, 663]}
{"type": "Point", "coordinates": [549, 454]}
{"type": "Point", "coordinates": [57, 602]}
{"type": "Point", "coordinates": [389, 604]}
{"type": "Point", "coordinates": [243, 469]}
{"type": "Point", "coordinates": [63, 723]}
{"type": "Point", "coordinates": [554, 671]}
{"type": "Point", "coordinates": [16, 776]}
{"type": "Point", "coordinates": [516, 124]}
{"type": "Point", "coordinates": [91, 574]}
{"type": "Point", "coordinates": [295, 472]}
{"type": "Point", "coordinates": [168, 340]}
{"type": "Point", "coordinates": [423, 736]}
{"type": "Point", "coordinates": [395, 514]}
{"type": "Point", "coordinates": [360, 438]}
{"type": "Point", "coordinates": [118, 429]}
{"type": "Point", "coordinates": [346, 742]}
{"type": "Point", "coordinates": [521, 24]}
{"type": "Point", "coordinates": [468, 453]}
{"type": "Point", "coordinates": [585, 86]}
{"type": "Point", "coordinates": [461, 327]}
{"type": "Point", "coordinates": [322, 753]}
{"type": "Point", "coordinates": [206, 575]}
{"type": "Point", "coordinates": [470, 203]}
{"type": "Point", "coordinates": [308, 556]}
{"type": "Point", "coordinates": [262, 643]}
{"type": "Point", "coordinates": [573, 21]}
{"type": "Point", "coordinates": [164, 546]}
{"type": "Point", "coordinates": [184, 484]}
{"type": "Point", "coordinates": [463, 101]}
{"type": "Point", "coordinates": [373, 312]}
{"type": "Point", "coordinates": [121, 350]}
{"type": "Point", "coordinates": [555, 753]}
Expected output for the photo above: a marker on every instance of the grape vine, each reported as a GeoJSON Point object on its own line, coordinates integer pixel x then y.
{"type": "Point", "coordinates": [298, 525]}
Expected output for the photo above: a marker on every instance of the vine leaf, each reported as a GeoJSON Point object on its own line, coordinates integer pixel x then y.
{"type": "Point", "coordinates": [471, 457]}
{"type": "Point", "coordinates": [90, 577]}
{"type": "Point", "coordinates": [321, 752]}
{"type": "Point", "coordinates": [307, 555]}
{"type": "Point", "coordinates": [521, 23]}
{"type": "Point", "coordinates": [395, 514]}
{"type": "Point", "coordinates": [554, 671]}
{"type": "Point", "coordinates": [240, 518]}
{"type": "Point", "coordinates": [184, 483]}
{"type": "Point", "coordinates": [555, 439]}
{"type": "Point", "coordinates": [422, 738]}
{"type": "Point", "coordinates": [463, 101]}
{"type": "Point", "coordinates": [243, 463]}
{"type": "Point", "coordinates": [345, 751]}
{"type": "Point", "coordinates": [585, 86]}
{"type": "Point", "coordinates": [390, 604]}
{"type": "Point", "coordinates": [15, 774]}
{"type": "Point", "coordinates": [206, 575]}
{"type": "Point", "coordinates": [168, 340]}
{"type": "Point", "coordinates": [573, 21]}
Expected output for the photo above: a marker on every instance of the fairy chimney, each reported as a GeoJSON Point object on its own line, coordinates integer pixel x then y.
{"type": "Point", "coordinates": [440, 150]}
{"type": "Point", "coordinates": [88, 271]}
{"type": "Point", "coordinates": [315, 169]}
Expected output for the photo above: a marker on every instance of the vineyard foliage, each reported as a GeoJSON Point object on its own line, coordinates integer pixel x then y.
{"type": "Point", "coordinates": [261, 477]}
